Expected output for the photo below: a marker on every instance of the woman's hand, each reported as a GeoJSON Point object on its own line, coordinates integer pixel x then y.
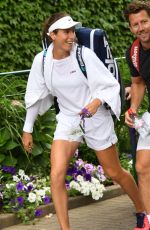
{"type": "Point", "coordinates": [27, 141]}
{"type": "Point", "coordinates": [93, 106]}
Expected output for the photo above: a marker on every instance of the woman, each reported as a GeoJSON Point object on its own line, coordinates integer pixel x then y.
{"type": "Point", "coordinates": [82, 114]}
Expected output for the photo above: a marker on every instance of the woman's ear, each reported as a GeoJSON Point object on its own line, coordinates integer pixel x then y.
{"type": "Point", "coordinates": [52, 36]}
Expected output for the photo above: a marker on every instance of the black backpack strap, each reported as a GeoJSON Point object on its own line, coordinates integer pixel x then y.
{"type": "Point", "coordinates": [44, 56]}
{"type": "Point", "coordinates": [56, 106]}
{"type": "Point", "coordinates": [80, 60]}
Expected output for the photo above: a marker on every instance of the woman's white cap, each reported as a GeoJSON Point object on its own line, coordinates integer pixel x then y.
{"type": "Point", "coordinates": [63, 23]}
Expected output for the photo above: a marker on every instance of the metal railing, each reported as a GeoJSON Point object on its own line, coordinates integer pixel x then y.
{"type": "Point", "coordinates": [15, 73]}
{"type": "Point", "coordinates": [19, 73]}
{"type": "Point", "coordinates": [23, 72]}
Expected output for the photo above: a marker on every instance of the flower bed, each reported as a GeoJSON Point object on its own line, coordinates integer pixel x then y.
{"type": "Point", "coordinates": [23, 194]}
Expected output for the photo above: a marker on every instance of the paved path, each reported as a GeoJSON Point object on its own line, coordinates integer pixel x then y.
{"type": "Point", "coordinates": [114, 214]}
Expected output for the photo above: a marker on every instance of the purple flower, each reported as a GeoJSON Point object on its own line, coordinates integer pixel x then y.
{"type": "Point", "coordinates": [82, 171]}
{"type": "Point", "coordinates": [47, 200]}
{"type": "Point", "coordinates": [87, 177]}
{"type": "Point", "coordinates": [9, 169]}
{"type": "Point", "coordinates": [30, 187]}
{"type": "Point", "coordinates": [19, 186]}
{"type": "Point", "coordinates": [25, 189]}
{"type": "Point", "coordinates": [102, 177]}
{"type": "Point", "coordinates": [20, 200]}
{"type": "Point", "coordinates": [100, 169]}
{"type": "Point", "coordinates": [129, 156]}
{"type": "Point", "coordinates": [32, 178]}
{"type": "Point", "coordinates": [89, 168]}
{"type": "Point", "coordinates": [76, 154]}
{"type": "Point", "coordinates": [67, 186]}
{"type": "Point", "coordinates": [79, 162]}
{"type": "Point", "coordinates": [38, 212]}
{"type": "Point", "coordinates": [72, 171]}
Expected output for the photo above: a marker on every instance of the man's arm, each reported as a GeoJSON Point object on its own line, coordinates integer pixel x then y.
{"type": "Point", "coordinates": [137, 92]}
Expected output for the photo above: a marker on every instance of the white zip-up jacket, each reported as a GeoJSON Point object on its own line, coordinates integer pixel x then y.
{"type": "Point", "coordinates": [101, 82]}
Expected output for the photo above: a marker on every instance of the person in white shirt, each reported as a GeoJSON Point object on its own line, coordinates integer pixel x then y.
{"type": "Point", "coordinates": [82, 113]}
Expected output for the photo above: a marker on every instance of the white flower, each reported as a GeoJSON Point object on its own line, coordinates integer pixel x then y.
{"type": "Point", "coordinates": [97, 192]}
{"type": "Point", "coordinates": [130, 163]}
{"type": "Point", "coordinates": [94, 180]}
{"type": "Point", "coordinates": [21, 172]}
{"type": "Point", "coordinates": [1, 195]}
{"type": "Point", "coordinates": [10, 185]}
{"type": "Point", "coordinates": [32, 197]}
{"type": "Point", "coordinates": [75, 185]}
{"type": "Point", "coordinates": [85, 188]}
{"type": "Point", "coordinates": [80, 178]}
{"type": "Point", "coordinates": [96, 195]}
{"type": "Point", "coordinates": [47, 189]}
{"type": "Point", "coordinates": [16, 178]}
{"type": "Point", "coordinates": [40, 192]}
{"type": "Point", "coordinates": [43, 180]}
{"type": "Point", "coordinates": [38, 197]}
{"type": "Point", "coordinates": [25, 177]}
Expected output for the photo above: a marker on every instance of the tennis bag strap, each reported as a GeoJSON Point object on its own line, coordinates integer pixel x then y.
{"type": "Point", "coordinates": [82, 65]}
{"type": "Point", "coordinates": [80, 60]}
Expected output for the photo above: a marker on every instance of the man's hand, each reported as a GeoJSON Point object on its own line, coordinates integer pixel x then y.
{"type": "Point", "coordinates": [128, 92]}
{"type": "Point", "coordinates": [128, 119]}
{"type": "Point", "coordinates": [27, 141]}
{"type": "Point", "coordinates": [93, 106]}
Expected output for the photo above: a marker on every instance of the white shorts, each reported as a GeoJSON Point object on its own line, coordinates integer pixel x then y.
{"type": "Point", "coordinates": [143, 143]}
{"type": "Point", "coordinates": [99, 129]}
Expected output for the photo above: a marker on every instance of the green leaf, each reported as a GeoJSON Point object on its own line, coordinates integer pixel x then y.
{"type": "Point", "coordinates": [11, 145]}
{"type": "Point", "coordinates": [2, 157]}
{"type": "Point", "coordinates": [37, 150]}
{"type": "Point", "coordinates": [10, 161]}
{"type": "Point", "coordinates": [4, 136]}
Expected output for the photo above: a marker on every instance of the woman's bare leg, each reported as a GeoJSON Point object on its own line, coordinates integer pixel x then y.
{"type": "Point", "coordinates": [61, 153]}
{"type": "Point", "coordinates": [109, 160]}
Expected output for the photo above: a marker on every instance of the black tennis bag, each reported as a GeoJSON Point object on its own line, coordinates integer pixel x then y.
{"type": "Point", "coordinates": [96, 40]}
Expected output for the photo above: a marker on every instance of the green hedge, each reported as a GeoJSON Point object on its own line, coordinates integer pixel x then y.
{"type": "Point", "coordinates": [21, 24]}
